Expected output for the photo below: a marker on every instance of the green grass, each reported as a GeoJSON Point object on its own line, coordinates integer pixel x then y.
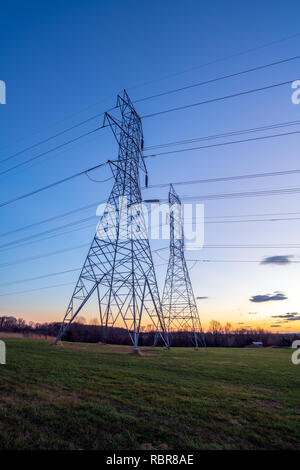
{"type": "Point", "coordinates": [88, 396]}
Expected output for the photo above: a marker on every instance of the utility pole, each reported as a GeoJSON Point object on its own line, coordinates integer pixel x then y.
{"type": "Point", "coordinates": [179, 306]}
{"type": "Point", "coordinates": [119, 263]}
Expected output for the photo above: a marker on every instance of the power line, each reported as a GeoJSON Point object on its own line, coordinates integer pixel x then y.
{"type": "Point", "coordinates": [222, 77]}
{"type": "Point", "coordinates": [51, 219]}
{"type": "Point", "coordinates": [243, 220]}
{"type": "Point", "coordinates": [29, 237]}
{"type": "Point", "coordinates": [213, 100]}
{"type": "Point", "coordinates": [215, 61]}
{"type": "Point", "coordinates": [225, 134]}
{"type": "Point", "coordinates": [51, 185]}
{"type": "Point", "coordinates": [160, 154]}
{"type": "Point", "coordinates": [42, 255]}
{"type": "Point", "coordinates": [268, 214]}
{"type": "Point", "coordinates": [29, 279]}
{"type": "Point", "coordinates": [252, 220]}
{"type": "Point", "coordinates": [229, 261]}
{"type": "Point", "coordinates": [250, 139]}
{"type": "Point", "coordinates": [268, 192]}
{"type": "Point", "coordinates": [80, 221]}
{"type": "Point", "coordinates": [178, 73]}
{"type": "Point", "coordinates": [227, 178]}
{"type": "Point", "coordinates": [155, 251]}
{"type": "Point", "coordinates": [99, 181]}
{"type": "Point", "coordinates": [54, 136]}
{"type": "Point", "coordinates": [50, 150]}
{"type": "Point", "coordinates": [162, 185]}
{"type": "Point", "coordinates": [143, 99]}
{"type": "Point", "coordinates": [47, 238]}
{"type": "Point", "coordinates": [35, 290]}
{"type": "Point", "coordinates": [66, 118]}
{"type": "Point", "coordinates": [18, 243]}
{"type": "Point", "coordinates": [163, 264]}
{"type": "Point", "coordinates": [252, 246]}
{"type": "Point", "coordinates": [209, 246]}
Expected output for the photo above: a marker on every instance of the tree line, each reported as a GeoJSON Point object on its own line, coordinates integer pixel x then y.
{"type": "Point", "coordinates": [217, 335]}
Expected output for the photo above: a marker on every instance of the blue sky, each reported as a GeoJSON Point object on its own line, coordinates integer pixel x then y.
{"type": "Point", "coordinates": [66, 61]}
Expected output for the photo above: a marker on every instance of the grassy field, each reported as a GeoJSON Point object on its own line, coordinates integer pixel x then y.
{"type": "Point", "coordinates": [88, 396]}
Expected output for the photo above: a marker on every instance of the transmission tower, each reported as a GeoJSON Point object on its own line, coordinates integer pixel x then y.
{"type": "Point", "coordinates": [179, 306]}
{"type": "Point", "coordinates": [119, 265]}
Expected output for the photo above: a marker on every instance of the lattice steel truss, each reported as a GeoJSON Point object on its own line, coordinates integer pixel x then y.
{"type": "Point", "coordinates": [179, 306]}
{"type": "Point", "coordinates": [119, 268]}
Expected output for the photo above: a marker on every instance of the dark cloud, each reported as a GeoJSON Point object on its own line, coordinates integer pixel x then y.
{"type": "Point", "coordinates": [279, 259]}
{"type": "Point", "coordinates": [202, 298]}
{"type": "Point", "coordinates": [268, 297]}
{"type": "Point", "coordinates": [274, 326]}
{"type": "Point", "coordinates": [287, 317]}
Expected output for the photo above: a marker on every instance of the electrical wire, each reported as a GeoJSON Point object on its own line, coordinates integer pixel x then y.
{"type": "Point", "coordinates": [222, 77]}
{"type": "Point", "coordinates": [227, 178]}
{"type": "Point", "coordinates": [58, 134]}
{"type": "Point", "coordinates": [160, 154]}
{"type": "Point", "coordinates": [37, 240]}
{"type": "Point", "coordinates": [215, 61]}
{"type": "Point", "coordinates": [43, 276]}
{"type": "Point", "coordinates": [230, 261]}
{"type": "Point", "coordinates": [251, 220]}
{"type": "Point", "coordinates": [50, 150]}
{"type": "Point", "coordinates": [162, 185]}
{"type": "Point", "coordinates": [172, 91]}
{"type": "Point", "coordinates": [80, 221]}
{"type": "Point", "coordinates": [225, 134]}
{"type": "Point", "coordinates": [250, 139]}
{"type": "Point", "coordinates": [220, 98]}
{"type": "Point", "coordinates": [46, 232]}
{"type": "Point", "coordinates": [51, 185]}
{"type": "Point", "coordinates": [35, 290]}
{"type": "Point", "coordinates": [84, 245]}
{"type": "Point", "coordinates": [51, 219]}
{"type": "Point", "coordinates": [20, 242]}
{"type": "Point", "coordinates": [99, 181]}
{"type": "Point", "coordinates": [29, 279]}
{"type": "Point", "coordinates": [42, 255]}
{"type": "Point", "coordinates": [268, 192]}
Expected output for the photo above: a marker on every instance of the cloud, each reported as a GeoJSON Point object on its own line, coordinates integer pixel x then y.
{"type": "Point", "coordinates": [274, 326]}
{"type": "Point", "coordinates": [268, 297]}
{"type": "Point", "coordinates": [252, 313]}
{"type": "Point", "coordinates": [287, 317]}
{"type": "Point", "coordinates": [279, 259]}
{"type": "Point", "coordinates": [201, 298]}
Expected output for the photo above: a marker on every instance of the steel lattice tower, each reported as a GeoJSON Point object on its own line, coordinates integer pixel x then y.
{"type": "Point", "coordinates": [119, 268]}
{"type": "Point", "coordinates": [179, 306]}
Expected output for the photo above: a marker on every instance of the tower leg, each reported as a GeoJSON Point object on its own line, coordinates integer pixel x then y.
{"type": "Point", "coordinates": [196, 341]}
